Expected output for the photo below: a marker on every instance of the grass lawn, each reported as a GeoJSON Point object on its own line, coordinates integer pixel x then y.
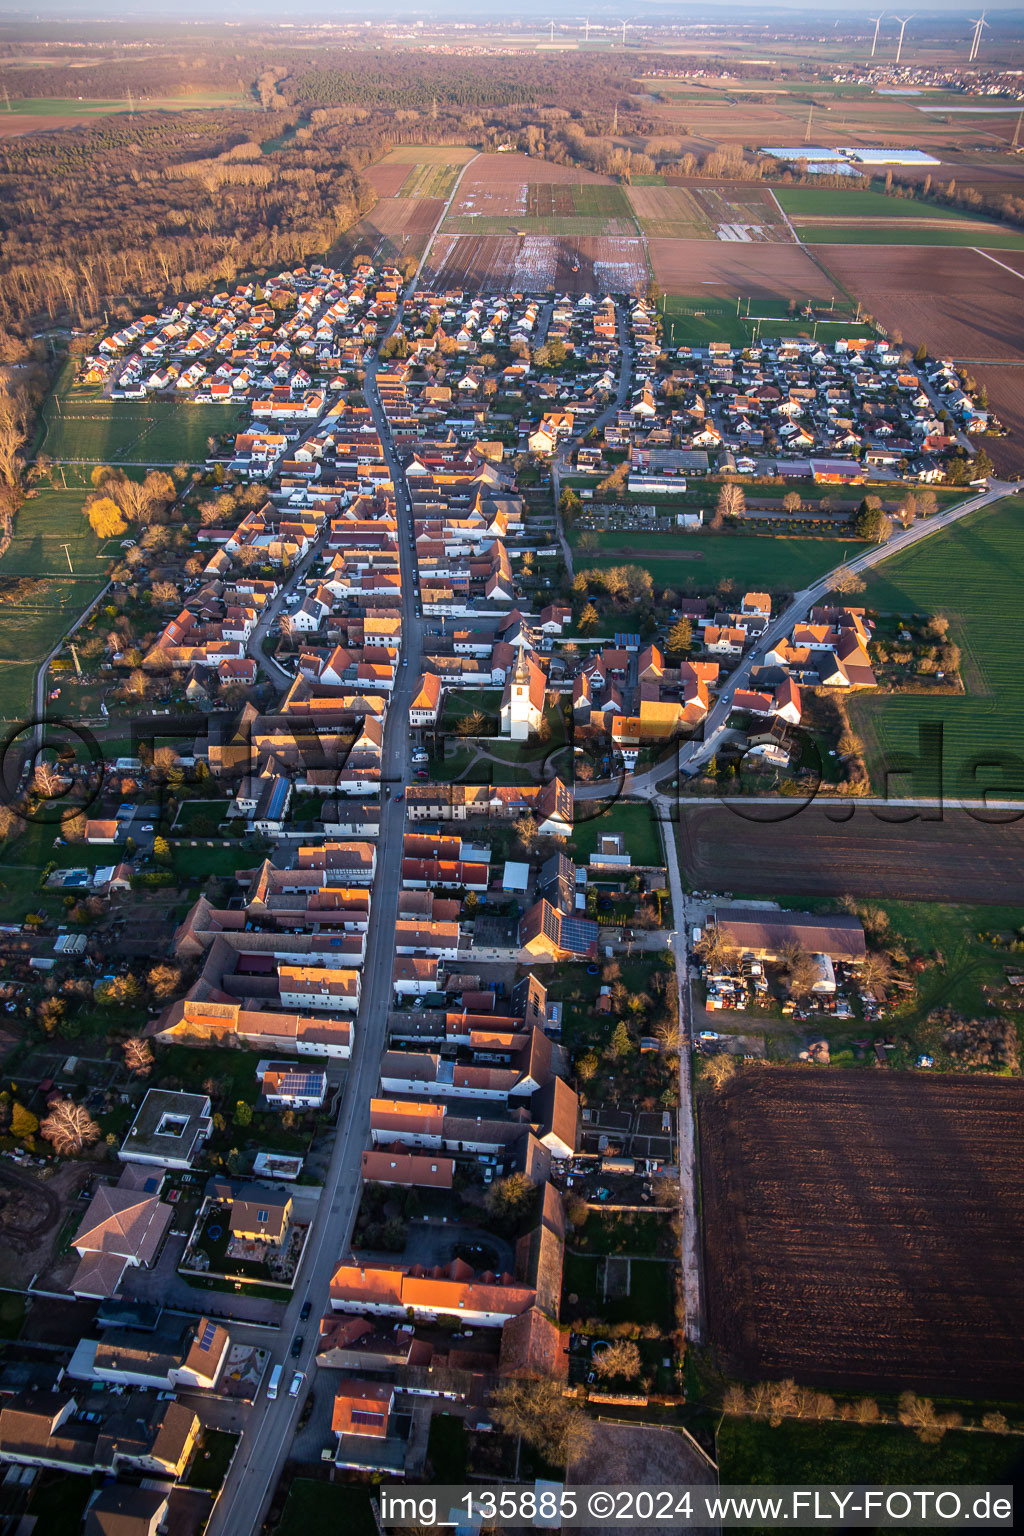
{"type": "Point", "coordinates": [211, 1459]}
{"type": "Point", "coordinates": [233, 1071]}
{"type": "Point", "coordinates": [457, 706]}
{"type": "Point", "coordinates": [315, 1506]}
{"type": "Point", "coordinates": [650, 1297]}
{"type": "Point", "coordinates": [190, 863]}
{"type": "Point", "coordinates": [750, 1451]}
{"type": "Point", "coordinates": [970, 573]}
{"type": "Point", "coordinates": [635, 822]}
{"type": "Point", "coordinates": [447, 1449]}
{"type": "Point", "coordinates": [699, 561]}
{"type": "Point", "coordinates": [194, 816]}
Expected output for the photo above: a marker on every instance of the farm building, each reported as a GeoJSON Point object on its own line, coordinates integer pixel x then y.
{"type": "Point", "coordinates": [765, 933]}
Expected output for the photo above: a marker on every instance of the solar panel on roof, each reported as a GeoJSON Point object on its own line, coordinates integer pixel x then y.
{"type": "Point", "coordinates": [302, 1082]}
{"type": "Point", "coordinates": [209, 1334]}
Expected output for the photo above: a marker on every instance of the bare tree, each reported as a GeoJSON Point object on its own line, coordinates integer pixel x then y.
{"type": "Point", "coordinates": [619, 1359]}
{"type": "Point", "coordinates": [69, 1128]}
{"type": "Point", "coordinates": [138, 1056]}
{"type": "Point", "coordinates": [718, 1070]}
{"type": "Point", "coordinates": [537, 1409]}
{"type": "Point", "coordinates": [163, 980]}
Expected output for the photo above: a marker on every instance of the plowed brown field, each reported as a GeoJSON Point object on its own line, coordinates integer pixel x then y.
{"type": "Point", "coordinates": [863, 1230]}
{"type": "Point", "coordinates": [816, 853]}
{"type": "Point", "coordinates": [762, 270]}
{"type": "Point", "coordinates": [957, 301]}
{"type": "Point", "coordinates": [532, 263]}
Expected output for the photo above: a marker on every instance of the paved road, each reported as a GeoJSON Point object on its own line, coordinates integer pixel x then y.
{"type": "Point", "coordinates": [562, 461]}
{"type": "Point", "coordinates": [271, 1425]}
{"type": "Point", "coordinates": [694, 753]}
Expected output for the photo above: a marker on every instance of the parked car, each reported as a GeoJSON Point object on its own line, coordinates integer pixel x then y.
{"type": "Point", "coordinates": [297, 1380]}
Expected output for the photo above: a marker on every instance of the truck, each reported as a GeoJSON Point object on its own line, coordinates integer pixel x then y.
{"type": "Point", "coordinates": [275, 1381]}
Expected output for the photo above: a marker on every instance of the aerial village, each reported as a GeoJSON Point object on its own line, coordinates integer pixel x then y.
{"type": "Point", "coordinates": [452, 991]}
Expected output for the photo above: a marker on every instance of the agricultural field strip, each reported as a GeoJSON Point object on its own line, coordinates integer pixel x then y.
{"type": "Point", "coordinates": [863, 1229]}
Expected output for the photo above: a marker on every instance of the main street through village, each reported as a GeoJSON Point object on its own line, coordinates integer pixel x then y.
{"type": "Point", "coordinates": [271, 1423]}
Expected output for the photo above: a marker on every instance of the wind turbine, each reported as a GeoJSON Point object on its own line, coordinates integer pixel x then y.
{"type": "Point", "coordinates": [586, 24]}
{"type": "Point", "coordinates": [878, 22]}
{"type": "Point", "coordinates": [625, 24]}
{"type": "Point", "coordinates": [552, 31]}
{"type": "Point", "coordinates": [903, 27]}
{"type": "Point", "coordinates": [979, 24]}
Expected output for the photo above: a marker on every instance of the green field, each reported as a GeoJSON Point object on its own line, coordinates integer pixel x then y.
{"type": "Point", "coordinates": [77, 106]}
{"type": "Point", "coordinates": [970, 964]}
{"type": "Point", "coordinates": [809, 203]}
{"type": "Point", "coordinates": [751, 1451]}
{"type": "Point", "coordinates": [146, 432]}
{"type": "Point", "coordinates": [33, 619]}
{"type": "Point", "coordinates": [971, 574]}
{"type": "Point", "coordinates": [988, 237]}
{"type": "Point", "coordinates": [701, 560]}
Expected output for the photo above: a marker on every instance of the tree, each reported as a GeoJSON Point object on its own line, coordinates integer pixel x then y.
{"type": "Point", "coordinates": [163, 980]}
{"type": "Point", "coordinates": [569, 504]}
{"type": "Point", "coordinates": [792, 501]}
{"type": "Point", "coordinates": [906, 512]}
{"type": "Point", "coordinates": [137, 683]}
{"type": "Point", "coordinates": [801, 969]}
{"type": "Point", "coordinates": [718, 1070]}
{"type": "Point", "coordinates": [921, 355]}
{"type": "Point", "coordinates": [537, 1410]}
{"type": "Point", "coordinates": [527, 831]}
{"type": "Point", "coordinates": [621, 1043]}
{"type": "Point", "coordinates": [847, 581]}
{"type": "Point", "coordinates": [105, 519]}
{"type": "Point", "coordinates": [619, 1359]}
{"type": "Point", "coordinates": [680, 637]}
{"type": "Point", "coordinates": [138, 1056]}
{"type": "Point", "coordinates": [589, 618]}
{"type": "Point", "coordinates": [165, 592]}
{"type": "Point", "coordinates": [871, 522]}
{"type": "Point", "coordinates": [731, 501]}
{"type": "Point", "coordinates": [69, 1128]}
{"type": "Point", "coordinates": [46, 780]}
{"type": "Point", "coordinates": [161, 850]}
{"type": "Point", "coordinates": [586, 1066]}
{"type": "Point", "coordinates": [23, 1122]}
{"type": "Point", "coordinates": [509, 1199]}
{"type": "Point", "coordinates": [715, 949]}
{"type": "Point", "coordinates": [243, 1114]}
{"type": "Point", "coordinates": [920, 1415]}
{"type": "Point", "coordinates": [472, 724]}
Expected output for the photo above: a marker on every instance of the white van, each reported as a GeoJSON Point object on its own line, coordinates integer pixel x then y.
{"type": "Point", "coordinates": [275, 1381]}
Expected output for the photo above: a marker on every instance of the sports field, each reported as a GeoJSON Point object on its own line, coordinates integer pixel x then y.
{"type": "Point", "coordinates": [971, 574]}
{"type": "Point", "coordinates": [694, 320]}
{"type": "Point", "coordinates": [144, 432]}
{"type": "Point", "coordinates": [39, 593]}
